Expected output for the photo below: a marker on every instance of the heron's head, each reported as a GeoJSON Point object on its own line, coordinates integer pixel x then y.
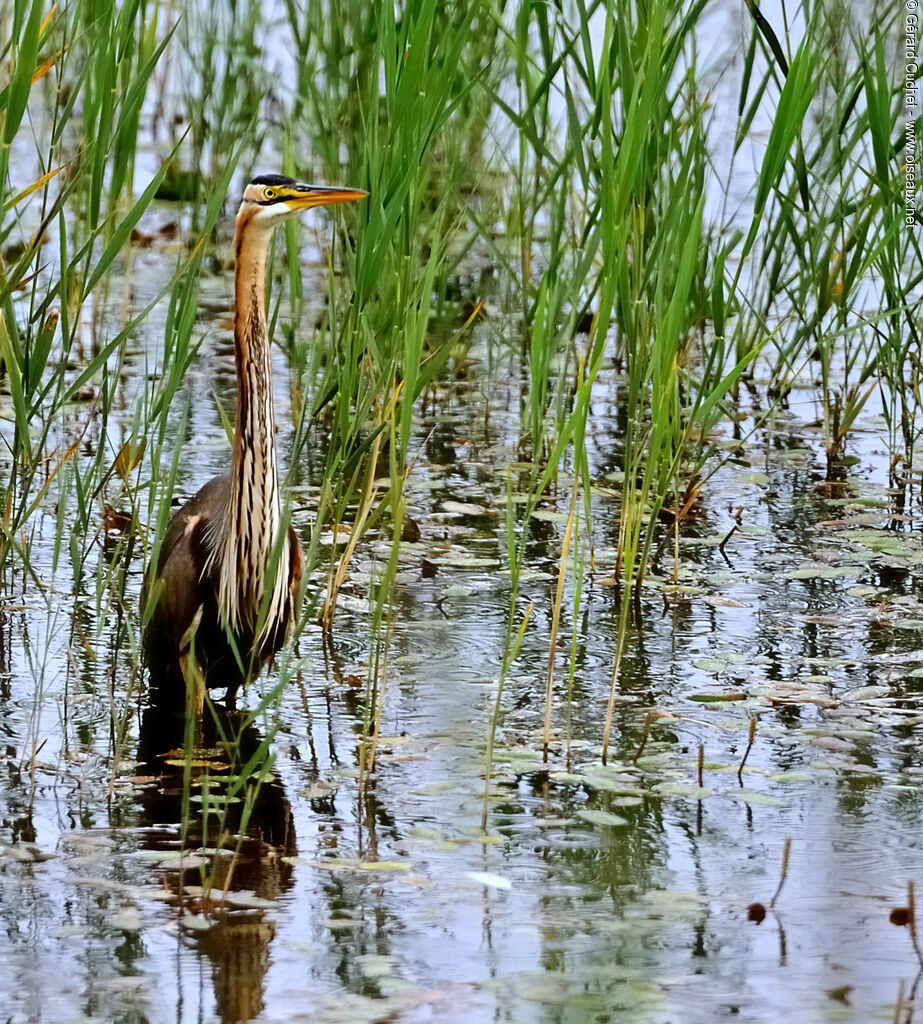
{"type": "Point", "coordinates": [271, 198]}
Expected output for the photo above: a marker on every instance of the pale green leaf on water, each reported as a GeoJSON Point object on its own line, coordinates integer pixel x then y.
{"type": "Point", "coordinates": [845, 730]}
{"type": "Point", "coordinates": [195, 922]}
{"type": "Point", "coordinates": [604, 818]}
{"type": "Point", "coordinates": [612, 783]}
{"type": "Point", "coordinates": [375, 965]}
{"type": "Point", "coordinates": [831, 663]}
{"type": "Point", "coordinates": [187, 863]}
{"type": "Point", "coordinates": [823, 572]}
{"type": "Point", "coordinates": [160, 895]}
{"type": "Point", "coordinates": [433, 789]}
{"type": "Point", "coordinates": [341, 924]}
{"type": "Point", "coordinates": [712, 541]}
{"type": "Point", "coordinates": [835, 744]}
{"type": "Point", "coordinates": [465, 508]}
{"type": "Point", "coordinates": [128, 919]}
{"type": "Point", "coordinates": [248, 901]}
{"type": "Point", "coordinates": [546, 515]}
{"type": "Point", "coordinates": [719, 601]}
{"type": "Point", "coordinates": [866, 693]}
{"type": "Point", "coordinates": [163, 855]}
{"type": "Point", "coordinates": [682, 789]}
{"type": "Point", "coordinates": [754, 477]}
{"type": "Point", "coordinates": [426, 832]}
{"type": "Point", "coordinates": [214, 799]}
{"type": "Point", "coordinates": [790, 777]}
{"type": "Point", "coordinates": [650, 762]}
{"type": "Point", "coordinates": [856, 557]}
{"type": "Point", "coordinates": [599, 781]}
{"type": "Point", "coordinates": [460, 560]}
{"type": "Point", "coordinates": [710, 665]}
{"type": "Point", "coordinates": [751, 796]}
{"type": "Point", "coordinates": [881, 541]}
{"type": "Point", "coordinates": [675, 902]}
{"type": "Point", "coordinates": [613, 770]}
{"type": "Point", "coordinates": [334, 863]}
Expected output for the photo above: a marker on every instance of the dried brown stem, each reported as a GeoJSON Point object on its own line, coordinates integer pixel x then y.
{"type": "Point", "coordinates": [912, 922]}
{"type": "Point", "coordinates": [785, 853]}
{"type": "Point", "coordinates": [750, 740]}
{"type": "Point", "coordinates": [648, 722]}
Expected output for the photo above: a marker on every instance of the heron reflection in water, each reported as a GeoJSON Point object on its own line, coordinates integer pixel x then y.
{"type": "Point", "coordinates": [240, 830]}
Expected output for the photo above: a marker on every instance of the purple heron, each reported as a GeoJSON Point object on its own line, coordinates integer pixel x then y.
{"type": "Point", "coordinates": [224, 593]}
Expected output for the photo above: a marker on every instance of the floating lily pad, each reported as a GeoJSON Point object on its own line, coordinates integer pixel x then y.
{"type": "Point", "coordinates": [751, 796]}
{"type": "Point", "coordinates": [128, 919]}
{"type": "Point", "coordinates": [195, 922]}
{"type": "Point", "coordinates": [599, 781]}
{"type": "Point", "coordinates": [546, 515]}
{"type": "Point", "coordinates": [459, 560]}
{"type": "Point", "coordinates": [682, 789]}
{"type": "Point", "coordinates": [823, 572]}
{"type": "Point", "coordinates": [248, 901]}
{"type": "Point", "coordinates": [604, 818]}
{"type": "Point", "coordinates": [790, 777]}
{"type": "Point", "coordinates": [465, 508]}
{"type": "Point", "coordinates": [867, 693]}
{"type": "Point", "coordinates": [718, 601]}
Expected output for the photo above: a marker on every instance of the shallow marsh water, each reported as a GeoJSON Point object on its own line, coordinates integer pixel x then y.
{"type": "Point", "coordinates": [616, 892]}
{"type": "Point", "coordinates": [598, 893]}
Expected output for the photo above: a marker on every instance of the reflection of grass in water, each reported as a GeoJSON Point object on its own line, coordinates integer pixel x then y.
{"type": "Point", "coordinates": [578, 159]}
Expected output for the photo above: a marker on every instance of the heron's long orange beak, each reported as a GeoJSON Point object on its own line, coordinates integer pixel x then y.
{"type": "Point", "coordinates": [305, 197]}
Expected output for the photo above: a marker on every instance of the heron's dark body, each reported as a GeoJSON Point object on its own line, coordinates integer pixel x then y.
{"type": "Point", "coordinates": [186, 587]}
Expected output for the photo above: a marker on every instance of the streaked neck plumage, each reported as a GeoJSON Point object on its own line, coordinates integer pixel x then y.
{"type": "Point", "coordinates": [246, 536]}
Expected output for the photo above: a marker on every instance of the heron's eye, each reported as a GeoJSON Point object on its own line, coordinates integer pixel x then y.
{"type": "Point", "coordinates": [269, 193]}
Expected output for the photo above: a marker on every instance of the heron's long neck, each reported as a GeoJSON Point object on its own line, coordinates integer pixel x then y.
{"type": "Point", "coordinates": [251, 527]}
